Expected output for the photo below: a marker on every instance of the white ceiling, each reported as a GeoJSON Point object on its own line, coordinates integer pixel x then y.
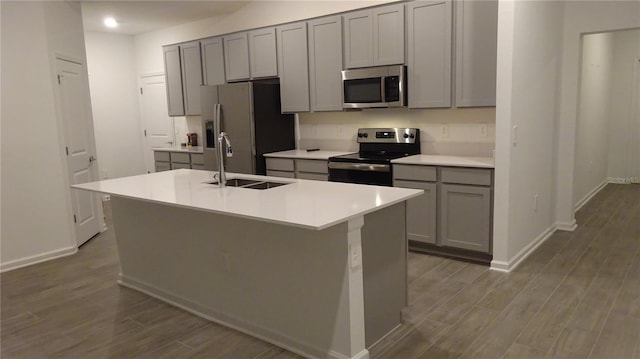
{"type": "Point", "coordinates": [137, 17]}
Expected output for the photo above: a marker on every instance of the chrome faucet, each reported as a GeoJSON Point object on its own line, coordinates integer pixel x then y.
{"type": "Point", "coordinates": [221, 175]}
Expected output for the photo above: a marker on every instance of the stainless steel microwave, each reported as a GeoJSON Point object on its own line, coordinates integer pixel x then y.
{"type": "Point", "coordinates": [383, 86]}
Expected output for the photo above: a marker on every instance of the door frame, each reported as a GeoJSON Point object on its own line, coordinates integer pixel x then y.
{"type": "Point", "coordinates": [102, 226]}
{"type": "Point", "coordinates": [148, 155]}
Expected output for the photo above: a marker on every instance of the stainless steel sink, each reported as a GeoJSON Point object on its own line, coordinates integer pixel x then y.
{"type": "Point", "coordinates": [250, 183]}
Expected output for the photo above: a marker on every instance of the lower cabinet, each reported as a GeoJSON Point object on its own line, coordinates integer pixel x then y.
{"type": "Point", "coordinates": [168, 160]}
{"type": "Point", "coordinates": [298, 168]}
{"type": "Point", "coordinates": [454, 215]}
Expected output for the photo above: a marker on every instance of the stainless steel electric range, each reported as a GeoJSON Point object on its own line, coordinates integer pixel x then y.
{"type": "Point", "coordinates": [372, 164]}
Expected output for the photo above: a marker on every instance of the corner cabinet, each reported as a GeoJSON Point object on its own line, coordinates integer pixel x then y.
{"type": "Point", "coordinates": [173, 79]}
{"type": "Point", "coordinates": [374, 37]}
{"type": "Point", "coordinates": [476, 52]}
{"type": "Point", "coordinates": [293, 66]}
{"type": "Point", "coordinates": [454, 215]}
{"type": "Point", "coordinates": [325, 64]}
{"type": "Point", "coordinates": [212, 50]}
{"type": "Point", "coordinates": [429, 53]}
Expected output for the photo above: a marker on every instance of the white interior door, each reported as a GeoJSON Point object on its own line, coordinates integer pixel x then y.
{"type": "Point", "coordinates": [80, 146]}
{"type": "Point", "coordinates": [158, 126]}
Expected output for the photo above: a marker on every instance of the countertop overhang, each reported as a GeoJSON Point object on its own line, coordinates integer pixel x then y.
{"type": "Point", "coordinates": [302, 203]}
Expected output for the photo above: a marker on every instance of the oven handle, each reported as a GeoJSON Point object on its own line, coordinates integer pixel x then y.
{"type": "Point", "coordinates": [359, 166]}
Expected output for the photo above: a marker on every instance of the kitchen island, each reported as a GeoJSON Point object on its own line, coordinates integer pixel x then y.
{"type": "Point", "coordinates": [317, 268]}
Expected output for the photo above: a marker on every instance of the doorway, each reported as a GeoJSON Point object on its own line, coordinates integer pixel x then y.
{"type": "Point", "coordinates": [608, 124]}
{"type": "Point", "coordinates": [158, 127]}
{"type": "Point", "coordinates": [79, 145]}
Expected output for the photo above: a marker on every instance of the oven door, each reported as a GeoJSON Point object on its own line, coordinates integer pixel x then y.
{"type": "Point", "coordinates": [362, 173]}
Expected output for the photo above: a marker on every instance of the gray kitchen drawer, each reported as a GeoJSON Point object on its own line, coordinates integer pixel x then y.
{"type": "Point", "coordinates": [415, 173]}
{"type": "Point", "coordinates": [195, 166]}
{"type": "Point", "coordinates": [161, 156]}
{"type": "Point", "coordinates": [315, 166]}
{"type": "Point", "coordinates": [197, 159]}
{"type": "Point", "coordinates": [178, 165]}
{"type": "Point", "coordinates": [180, 157]}
{"type": "Point", "coordinates": [280, 164]}
{"type": "Point", "coordinates": [313, 176]}
{"type": "Point", "coordinates": [162, 166]}
{"type": "Point", "coordinates": [285, 174]}
{"type": "Point", "coordinates": [475, 176]}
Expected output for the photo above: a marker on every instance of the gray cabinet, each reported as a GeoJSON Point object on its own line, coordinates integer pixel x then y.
{"type": "Point", "coordinates": [173, 76]}
{"type": "Point", "coordinates": [422, 210]}
{"type": "Point", "coordinates": [280, 167]}
{"type": "Point", "coordinates": [374, 37]}
{"type": "Point", "coordinates": [262, 53]}
{"type": "Point", "coordinates": [172, 160]}
{"type": "Point", "coordinates": [236, 57]}
{"type": "Point", "coordinates": [298, 168]}
{"type": "Point", "coordinates": [465, 208]}
{"type": "Point", "coordinates": [475, 53]}
{"type": "Point", "coordinates": [293, 67]}
{"type": "Point", "coordinates": [212, 61]}
{"type": "Point", "coordinates": [312, 169]}
{"type": "Point", "coordinates": [325, 64]}
{"type": "Point", "coordinates": [191, 62]}
{"type": "Point", "coordinates": [429, 53]}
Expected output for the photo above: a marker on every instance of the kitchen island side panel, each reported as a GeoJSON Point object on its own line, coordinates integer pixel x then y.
{"type": "Point", "coordinates": [283, 284]}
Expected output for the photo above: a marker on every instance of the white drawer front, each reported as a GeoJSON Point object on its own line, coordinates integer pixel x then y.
{"type": "Point", "coordinates": [315, 166]}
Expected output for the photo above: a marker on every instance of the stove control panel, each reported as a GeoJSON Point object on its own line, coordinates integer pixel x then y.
{"type": "Point", "coordinates": [388, 135]}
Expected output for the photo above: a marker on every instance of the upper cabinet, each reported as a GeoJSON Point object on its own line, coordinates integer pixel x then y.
{"type": "Point", "coordinates": [476, 47]}
{"type": "Point", "coordinates": [250, 55]}
{"type": "Point", "coordinates": [173, 75]}
{"type": "Point", "coordinates": [293, 67]}
{"type": "Point", "coordinates": [429, 53]}
{"type": "Point", "coordinates": [262, 52]}
{"type": "Point", "coordinates": [212, 61]}
{"type": "Point", "coordinates": [374, 37]}
{"type": "Point", "coordinates": [325, 64]}
{"type": "Point", "coordinates": [191, 76]}
{"type": "Point", "coordinates": [236, 57]}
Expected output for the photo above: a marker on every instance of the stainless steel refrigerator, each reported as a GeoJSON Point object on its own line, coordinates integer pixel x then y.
{"type": "Point", "coordinates": [250, 115]}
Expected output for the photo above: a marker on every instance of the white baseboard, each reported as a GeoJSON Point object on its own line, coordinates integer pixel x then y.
{"type": "Point", "coordinates": [567, 226]}
{"type": "Point", "coordinates": [514, 261]}
{"type": "Point", "coordinates": [238, 324]}
{"type": "Point", "coordinates": [590, 195]}
{"type": "Point", "coordinates": [39, 258]}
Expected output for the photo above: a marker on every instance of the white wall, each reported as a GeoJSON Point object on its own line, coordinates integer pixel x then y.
{"type": "Point", "coordinates": [624, 129]}
{"type": "Point", "coordinates": [592, 131]}
{"type": "Point", "coordinates": [529, 54]}
{"type": "Point", "coordinates": [581, 17]}
{"type": "Point", "coordinates": [468, 131]}
{"type": "Point", "coordinates": [114, 99]}
{"type": "Point", "coordinates": [37, 221]}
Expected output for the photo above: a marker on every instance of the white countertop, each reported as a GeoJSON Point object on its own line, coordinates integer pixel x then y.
{"type": "Point", "coordinates": [303, 203]}
{"type": "Point", "coordinates": [456, 161]}
{"type": "Point", "coordinates": [194, 149]}
{"type": "Point", "coordinates": [303, 154]}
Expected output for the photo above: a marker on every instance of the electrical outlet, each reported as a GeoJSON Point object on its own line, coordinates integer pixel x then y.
{"type": "Point", "coordinates": [224, 262]}
{"type": "Point", "coordinates": [444, 131]}
{"type": "Point", "coordinates": [483, 130]}
{"type": "Point", "coordinates": [355, 256]}
{"type": "Point", "coordinates": [535, 203]}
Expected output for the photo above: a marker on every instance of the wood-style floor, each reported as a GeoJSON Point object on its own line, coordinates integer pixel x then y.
{"type": "Point", "coordinates": [577, 296]}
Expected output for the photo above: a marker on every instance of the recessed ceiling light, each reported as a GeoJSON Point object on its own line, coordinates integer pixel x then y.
{"type": "Point", "coordinates": [110, 22]}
